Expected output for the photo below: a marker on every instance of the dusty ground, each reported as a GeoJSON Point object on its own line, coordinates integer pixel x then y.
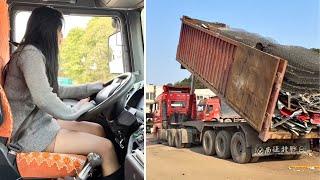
{"type": "Point", "coordinates": [167, 163]}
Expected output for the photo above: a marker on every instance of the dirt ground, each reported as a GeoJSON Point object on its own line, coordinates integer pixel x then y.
{"type": "Point", "coordinates": [167, 163]}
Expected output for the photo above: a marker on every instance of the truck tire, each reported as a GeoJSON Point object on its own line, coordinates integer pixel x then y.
{"type": "Point", "coordinates": [178, 140]}
{"type": "Point", "coordinates": [208, 143]}
{"type": "Point", "coordinates": [170, 139]}
{"type": "Point", "coordinates": [165, 124]}
{"type": "Point", "coordinates": [222, 144]}
{"type": "Point", "coordinates": [254, 159]}
{"type": "Point", "coordinates": [188, 145]}
{"type": "Point", "coordinates": [158, 137]}
{"type": "Point", "coordinates": [239, 151]}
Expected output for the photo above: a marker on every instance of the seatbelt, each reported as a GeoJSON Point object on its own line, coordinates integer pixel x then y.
{"type": "Point", "coordinates": [13, 146]}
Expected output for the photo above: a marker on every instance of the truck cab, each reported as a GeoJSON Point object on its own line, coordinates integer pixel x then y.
{"type": "Point", "coordinates": [110, 49]}
{"type": "Point", "coordinates": [173, 105]}
{"type": "Point", "coordinates": [209, 109]}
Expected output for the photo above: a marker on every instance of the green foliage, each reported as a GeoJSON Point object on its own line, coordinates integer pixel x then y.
{"type": "Point", "coordinates": [187, 82]}
{"type": "Point", "coordinates": [316, 50]}
{"type": "Point", "coordinates": [84, 53]}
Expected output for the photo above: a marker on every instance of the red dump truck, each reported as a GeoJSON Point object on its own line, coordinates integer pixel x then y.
{"type": "Point", "coordinates": [176, 105]}
{"type": "Point", "coordinates": [249, 81]}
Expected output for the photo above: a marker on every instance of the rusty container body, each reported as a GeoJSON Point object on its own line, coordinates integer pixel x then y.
{"type": "Point", "coordinates": [247, 79]}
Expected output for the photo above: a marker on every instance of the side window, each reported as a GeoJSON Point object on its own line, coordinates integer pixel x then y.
{"type": "Point", "coordinates": [91, 49]}
{"type": "Point", "coordinates": [177, 104]}
{"type": "Point", "coordinates": [209, 108]}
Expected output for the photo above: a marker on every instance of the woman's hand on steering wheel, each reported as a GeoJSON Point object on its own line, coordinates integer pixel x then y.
{"type": "Point", "coordinates": [83, 101]}
{"type": "Point", "coordinates": [114, 91]}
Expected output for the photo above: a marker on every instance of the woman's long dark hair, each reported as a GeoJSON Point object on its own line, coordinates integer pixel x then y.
{"type": "Point", "coordinates": [41, 32]}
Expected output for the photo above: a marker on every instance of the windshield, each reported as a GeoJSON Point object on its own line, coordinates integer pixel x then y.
{"type": "Point", "coordinates": [177, 104]}
{"type": "Point", "coordinates": [91, 49]}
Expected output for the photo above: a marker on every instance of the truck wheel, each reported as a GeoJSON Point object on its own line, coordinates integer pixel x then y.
{"type": "Point", "coordinates": [165, 124]}
{"type": "Point", "coordinates": [188, 145]}
{"type": "Point", "coordinates": [158, 136]}
{"type": "Point", "coordinates": [239, 152]}
{"type": "Point", "coordinates": [178, 140]}
{"type": "Point", "coordinates": [208, 142]}
{"type": "Point", "coordinates": [222, 144]}
{"type": "Point", "coordinates": [170, 139]}
{"type": "Point", "coordinates": [254, 159]}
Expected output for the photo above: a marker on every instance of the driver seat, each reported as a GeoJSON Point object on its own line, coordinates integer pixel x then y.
{"type": "Point", "coordinates": [32, 164]}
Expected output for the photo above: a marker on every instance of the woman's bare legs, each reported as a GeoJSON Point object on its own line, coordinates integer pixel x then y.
{"type": "Point", "coordinates": [83, 126]}
{"type": "Point", "coordinates": [75, 142]}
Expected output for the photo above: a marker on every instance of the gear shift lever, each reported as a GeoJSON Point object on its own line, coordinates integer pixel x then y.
{"type": "Point", "coordinates": [93, 160]}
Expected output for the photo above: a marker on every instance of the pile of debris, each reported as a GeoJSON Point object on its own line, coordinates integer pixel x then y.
{"type": "Point", "coordinates": [298, 113]}
{"type": "Point", "coordinates": [299, 99]}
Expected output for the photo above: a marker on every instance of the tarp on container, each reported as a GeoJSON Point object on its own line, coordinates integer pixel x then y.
{"type": "Point", "coordinates": [302, 74]}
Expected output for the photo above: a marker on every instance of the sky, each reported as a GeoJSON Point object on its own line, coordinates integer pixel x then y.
{"type": "Point", "coordinates": [289, 22]}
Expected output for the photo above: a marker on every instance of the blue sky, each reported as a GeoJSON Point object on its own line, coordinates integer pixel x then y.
{"type": "Point", "coordinates": [294, 22]}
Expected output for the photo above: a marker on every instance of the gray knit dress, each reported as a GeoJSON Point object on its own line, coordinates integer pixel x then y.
{"type": "Point", "coordinates": [27, 86]}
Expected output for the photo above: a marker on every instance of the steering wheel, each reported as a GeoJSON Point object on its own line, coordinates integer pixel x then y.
{"type": "Point", "coordinates": [113, 92]}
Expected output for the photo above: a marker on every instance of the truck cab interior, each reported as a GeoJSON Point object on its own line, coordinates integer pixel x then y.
{"type": "Point", "coordinates": [119, 106]}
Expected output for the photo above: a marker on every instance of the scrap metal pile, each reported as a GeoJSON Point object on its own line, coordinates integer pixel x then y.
{"type": "Point", "coordinates": [298, 113]}
{"type": "Point", "coordinates": [298, 107]}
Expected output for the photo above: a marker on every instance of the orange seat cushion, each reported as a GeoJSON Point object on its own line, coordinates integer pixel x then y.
{"type": "Point", "coordinates": [7, 124]}
{"type": "Point", "coordinates": [4, 36]}
{"type": "Point", "coordinates": [49, 165]}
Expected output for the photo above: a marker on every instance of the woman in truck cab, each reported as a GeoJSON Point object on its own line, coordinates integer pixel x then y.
{"type": "Point", "coordinates": [31, 83]}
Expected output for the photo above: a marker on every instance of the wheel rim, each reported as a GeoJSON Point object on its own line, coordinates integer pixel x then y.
{"type": "Point", "coordinates": [239, 148]}
{"type": "Point", "coordinates": [206, 142]}
{"type": "Point", "coordinates": [157, 134]}
{"type": "Point", "coordinates": [178, 140]}
{"type": "Point", "coordinates": [221, 145]}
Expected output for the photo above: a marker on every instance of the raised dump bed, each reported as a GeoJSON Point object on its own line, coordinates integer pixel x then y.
{"type": "Point", "coordinates": [248, 79]}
